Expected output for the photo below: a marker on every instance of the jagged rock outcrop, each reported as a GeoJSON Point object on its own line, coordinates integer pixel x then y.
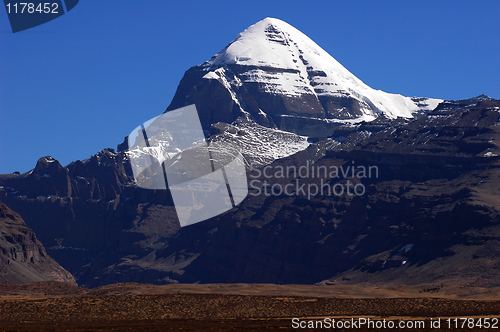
{"type": "Point", "coordinates": [22, 257]}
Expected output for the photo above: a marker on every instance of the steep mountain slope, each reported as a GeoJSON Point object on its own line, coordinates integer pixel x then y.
{"type": "Point", "coordinates": [430, 213]}
{"type": "Point", "coordinates": [22, 257]}
{"type": "Point", "coordinates": [272, 90]}
{"type": "Point", "coordinates": [277, 76]}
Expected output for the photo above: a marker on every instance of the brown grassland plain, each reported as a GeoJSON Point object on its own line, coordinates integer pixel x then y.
{"type": "Point", "coordinates": [52, 306]}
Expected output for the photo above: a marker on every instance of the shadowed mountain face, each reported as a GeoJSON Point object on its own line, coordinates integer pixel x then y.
{"type": "Point", "coordinates": [394, 189]}
{"type": "Point", "coordinates": [276, 76]}
{"type": "Point", "coordinates": [429, 211]}
{"type": "Point", "coordinates": [22, 257]}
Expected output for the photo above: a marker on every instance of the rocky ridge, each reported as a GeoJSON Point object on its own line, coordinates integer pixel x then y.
{"type": "Point", "coordinates": [430, 214]}
{"type": "Point", "coordinates": [22, 257]}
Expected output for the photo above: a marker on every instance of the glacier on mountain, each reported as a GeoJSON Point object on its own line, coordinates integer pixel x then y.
{"type": "Point", "coordinates": [277, 86]}
{"type": "Point", "coordinates": [305, 68]}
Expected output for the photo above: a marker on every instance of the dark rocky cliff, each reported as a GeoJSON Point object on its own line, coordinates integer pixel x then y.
{"type": "Point", "coordinates": [22, 257]}
{"type": "Point", "coordinates": [431, 213]}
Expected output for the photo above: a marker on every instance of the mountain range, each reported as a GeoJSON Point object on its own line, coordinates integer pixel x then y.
{"type": "Point", "coordinates": [428, 213]}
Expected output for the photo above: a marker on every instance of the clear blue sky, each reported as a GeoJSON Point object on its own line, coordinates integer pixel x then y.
{"type": "Point", "coordinates": [80, 83]}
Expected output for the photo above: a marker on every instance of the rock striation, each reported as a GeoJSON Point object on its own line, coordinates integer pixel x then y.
{"type": "Point", "coordinates": [22, 257]}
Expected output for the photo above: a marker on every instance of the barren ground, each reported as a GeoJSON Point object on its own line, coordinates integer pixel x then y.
{"type": "Point", "coordinates": [51, 306]}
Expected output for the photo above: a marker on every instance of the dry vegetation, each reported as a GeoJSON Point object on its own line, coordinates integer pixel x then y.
{"type": "Point", "coordinates": [52, 306]}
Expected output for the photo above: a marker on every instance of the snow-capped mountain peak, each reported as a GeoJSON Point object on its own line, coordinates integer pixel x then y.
{"type": "Point", "coordinates": [274, 43]}
{"type": "Point", "coordinates": [285, 61]}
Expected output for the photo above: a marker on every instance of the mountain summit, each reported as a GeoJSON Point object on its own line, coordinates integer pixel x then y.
{"type": "Point", "coordinates": [431, 214]}
{"type": "Point", "coordinates": [278, 77]}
